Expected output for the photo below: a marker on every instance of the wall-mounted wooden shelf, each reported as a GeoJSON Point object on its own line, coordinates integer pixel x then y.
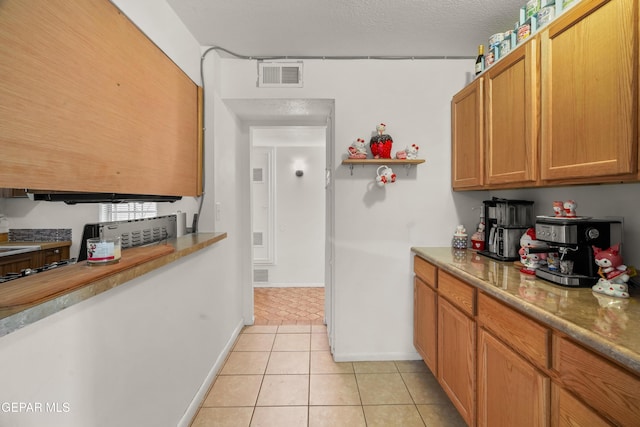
{"type": "Point", "coordinates": [407, 163]}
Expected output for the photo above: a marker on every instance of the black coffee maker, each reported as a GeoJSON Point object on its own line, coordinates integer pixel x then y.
{"type": "Point", "coordinates": [571, 259]}
{"type": "Point", "coordinates": [505, 223]}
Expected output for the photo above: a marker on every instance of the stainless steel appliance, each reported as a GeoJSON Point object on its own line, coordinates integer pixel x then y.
{"type": "Point", "coordinates": [506, 221]}
{"type": "Point", "coordinates": [134, 232]}
{"type": "Point", "coordinates": [571, 242]}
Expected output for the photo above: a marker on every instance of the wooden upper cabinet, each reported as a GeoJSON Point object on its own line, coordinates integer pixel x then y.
{"type": "Point", "coordinates": [511, 112]}
{"type": "Point", "coordinates": [89, 103]}
{"type": "Point", "coordinates": [589, 83]}
{"type": "Point", "coordinates": [467, 153]}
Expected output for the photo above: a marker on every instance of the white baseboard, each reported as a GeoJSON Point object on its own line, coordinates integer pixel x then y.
{"type": "Point", "coordinates": [192, 409]}
{"type": "Point", "coordinates": [288, 285]}
{"type": "Point", "coordinates": [375, 357]}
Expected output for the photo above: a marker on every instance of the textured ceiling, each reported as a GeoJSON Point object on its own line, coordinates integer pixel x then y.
{"type": "Point", "coordinates": [258, 28]}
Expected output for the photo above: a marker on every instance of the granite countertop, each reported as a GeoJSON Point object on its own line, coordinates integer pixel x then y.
{"type": "Point", "coordinates": [29, 299]}
{"type": "Point", "coordinates": [605, 324]}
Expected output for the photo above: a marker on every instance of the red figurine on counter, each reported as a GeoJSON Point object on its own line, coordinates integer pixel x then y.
{"type": "Point", "coordinates": [531, 261]}
{"type": "Point", "coordinates": [614, 275]}
{"type": "Point", "coordinates": [381, 143]}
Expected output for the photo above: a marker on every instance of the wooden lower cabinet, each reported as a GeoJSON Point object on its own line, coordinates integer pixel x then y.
{"type": "Point", "coordinates": [47, 256]}
{"type": "Point", "coordinates": [568, 411]}
{"type": "Point", "coordinates": [511, 391]}
{"type": "Point", "coordinates": [609, 389]}
{"type": "Point", "coordinates": [34, 259]}
{"type": "Point", "coordinates": [425, 323]}
{"type": "Point", "coordinates": [17, 263]}
{"type": "Point", "coordinates": [457, 358]}
{"type": "Point", "coordinates": [501, 368]}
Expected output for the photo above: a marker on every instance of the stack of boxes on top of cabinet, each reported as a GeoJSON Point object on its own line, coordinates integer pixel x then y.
{"type": "Point", "coordinates": [534, 15]}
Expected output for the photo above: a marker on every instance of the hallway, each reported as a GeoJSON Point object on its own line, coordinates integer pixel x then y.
{"type": "Point", "coordinates": [281, 376]}
{"type": "Point", "coordinates": [288, 306]}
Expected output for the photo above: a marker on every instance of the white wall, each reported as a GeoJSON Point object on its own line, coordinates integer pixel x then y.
{"type": "Point", "coordinates": [617, 200]}
{"type": "Point", "coordinates": [145, 352]}
{"type": "Point", "coordinates": [299, 204]}
{"type": "Point", "coordinates": [375, 227]}
{"type": "Point", "coordinates": [300, 217]}
{"type": "Point", "coordinates": [136, 355]}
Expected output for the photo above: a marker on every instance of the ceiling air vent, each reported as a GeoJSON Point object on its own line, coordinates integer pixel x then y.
{"type": "Point", "coordinates": [280, 74]}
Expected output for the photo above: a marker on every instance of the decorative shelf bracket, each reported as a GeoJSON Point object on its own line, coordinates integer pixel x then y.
{"type": "Point", "coordinates": [405, 163]}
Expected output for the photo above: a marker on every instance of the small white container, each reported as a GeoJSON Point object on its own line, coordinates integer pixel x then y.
{"type": "Point", "coordinates": [103, 251]}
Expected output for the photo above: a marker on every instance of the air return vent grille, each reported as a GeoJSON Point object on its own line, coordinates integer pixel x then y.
{"type": "Point", "coordinates": [261, 275]}
{"type": "Point", "coordinates": [280, 74]}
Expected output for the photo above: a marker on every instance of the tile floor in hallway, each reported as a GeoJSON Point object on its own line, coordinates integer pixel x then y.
{"type": "Point", "coordinates": [284, 375]}
{"type": "Point", "coordinates": [277, 306]}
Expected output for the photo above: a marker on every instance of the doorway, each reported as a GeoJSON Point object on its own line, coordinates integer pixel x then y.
{"type": "Point", "coordinates": [288, 212]}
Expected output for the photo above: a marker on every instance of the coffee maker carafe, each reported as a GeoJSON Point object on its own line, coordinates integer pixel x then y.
{"type": "Point", "coordinates": [506, 221]}
{"type": "Point", "coordinates": [571, 260]}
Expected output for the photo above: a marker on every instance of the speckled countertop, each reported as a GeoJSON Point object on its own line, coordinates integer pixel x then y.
{"type": "Point", "coordinates": [608, 325]}
{"type": "Point", "coordinates": [66, 289]}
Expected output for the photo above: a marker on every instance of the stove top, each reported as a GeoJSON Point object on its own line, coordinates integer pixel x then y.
{"type": "Point", "coordinates": [31, 271]}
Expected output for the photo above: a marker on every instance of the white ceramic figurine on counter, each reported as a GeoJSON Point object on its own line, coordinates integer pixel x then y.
{"type": "Point", "coordinates": [614, 275]}
{"type": "Point", "coordinates": [570, 208]}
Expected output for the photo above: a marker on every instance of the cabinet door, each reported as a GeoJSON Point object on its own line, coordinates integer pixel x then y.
{"type": "Point", "coordinates": [467, 154]}
{"type": "Point", "coordinates": [609, 389]}
{"type": "Point", "coordinates": [425, 323]}
{"type": "Point", "coordinates": [54, 254]}
{"type": "Point", "coordinates": [567, 411]}
{"type": "Point", "coordinates": [456, 358]}
{"type": "Point", "coordinates": [588, 92]}
{"type": "Point", "coordinates": [511, 392]}
{"type": "Point", "coordinates": [16, 263]}
{"type": "Point", "coordinates": [511, 106]}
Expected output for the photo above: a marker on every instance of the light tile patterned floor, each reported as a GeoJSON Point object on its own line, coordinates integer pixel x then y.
{"type": "Point", "coordinates": [278, 306]}
{"type": "Point", "coordinates": [285, 376]}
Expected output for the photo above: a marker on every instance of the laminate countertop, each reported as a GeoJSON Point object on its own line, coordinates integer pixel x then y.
{"type": "Point", "coordinates": [26, 300]}
{"type": "Point", "coordinates": [608, 325]}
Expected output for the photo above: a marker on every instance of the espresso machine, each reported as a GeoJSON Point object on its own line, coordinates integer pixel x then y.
{"type": "Point", "coordinates": [570, 244]}
{"type": "Point", "coordinates": [505, 223]}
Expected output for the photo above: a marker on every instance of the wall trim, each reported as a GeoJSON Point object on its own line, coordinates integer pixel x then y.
{"type": "Point", "coordinates": [288, 285]}
{"type": "Point", "coordinates": [375, 357]}
{"type": "Point", "coordinates": [198, 399]}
